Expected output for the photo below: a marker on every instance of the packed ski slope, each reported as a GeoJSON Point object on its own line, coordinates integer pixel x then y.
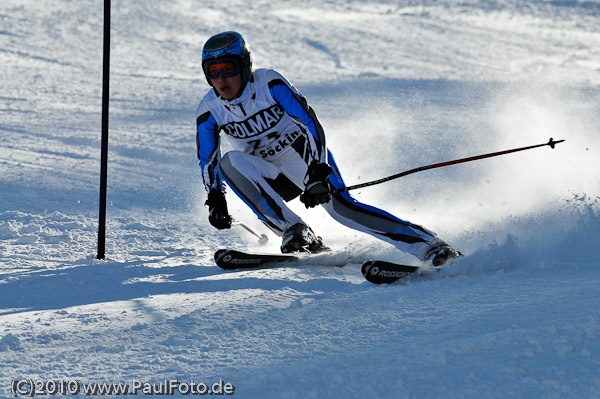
{"type": "Point", "coordinates": [397, 85]}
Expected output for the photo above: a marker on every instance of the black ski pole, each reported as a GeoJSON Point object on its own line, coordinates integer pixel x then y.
{"type": "Point", "coordinates": [550, 143]}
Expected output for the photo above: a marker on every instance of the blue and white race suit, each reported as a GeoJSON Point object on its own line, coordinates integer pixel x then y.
{"type": "Point", "coordinates": [274, 135]}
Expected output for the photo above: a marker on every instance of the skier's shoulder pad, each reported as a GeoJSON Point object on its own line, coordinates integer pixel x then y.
{"type": "Point", "coordinates": [271, 77]}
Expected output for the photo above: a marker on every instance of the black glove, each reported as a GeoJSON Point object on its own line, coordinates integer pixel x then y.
{"type": "Point", "coordinates": [218, 215]}
{"type": "Point", "coordinates": [318, 190]}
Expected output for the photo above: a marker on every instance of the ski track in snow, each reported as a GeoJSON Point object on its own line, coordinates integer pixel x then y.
{"type": "Point", "coordinates": [408, 84]}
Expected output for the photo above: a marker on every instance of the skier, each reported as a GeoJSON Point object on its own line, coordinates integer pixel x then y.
{"type": "Point", "coordinates": [279, 153]}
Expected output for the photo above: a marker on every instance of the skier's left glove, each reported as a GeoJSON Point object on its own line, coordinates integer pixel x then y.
{"type": "Point", "coordinates": [218, 215]}
{"type": "Point", "coordinates": [318, 189]}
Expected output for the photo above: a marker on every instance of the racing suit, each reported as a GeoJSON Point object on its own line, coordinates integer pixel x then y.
{"type": "Point", "coordinates": [274, 135]}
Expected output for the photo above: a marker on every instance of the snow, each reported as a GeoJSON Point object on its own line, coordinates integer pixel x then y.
{"type": "Point", "coordinates": [405, 84]}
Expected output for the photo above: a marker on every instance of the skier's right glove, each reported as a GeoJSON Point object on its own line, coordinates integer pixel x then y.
{"type": "Point", "coordinates": [218, 215]}
{"type": "Point", "coordinates": [318, 189]}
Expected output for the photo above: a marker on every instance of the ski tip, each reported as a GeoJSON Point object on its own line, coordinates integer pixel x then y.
{"type": "Point", "coordinates": [219, 255]}
{"type": "Point", "coordinates": [366, 267]}
{"type": "Point", "coordinates": [370, 272]}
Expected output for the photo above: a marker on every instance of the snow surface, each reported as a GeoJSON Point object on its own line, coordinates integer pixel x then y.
{"type": "Point", "coordinates": [397, 85]}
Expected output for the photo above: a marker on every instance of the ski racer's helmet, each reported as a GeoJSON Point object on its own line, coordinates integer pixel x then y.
{"type": "Point", "coordinates": [228, 45]}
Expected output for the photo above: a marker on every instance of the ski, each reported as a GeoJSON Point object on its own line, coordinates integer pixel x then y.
{"type": "Point", "coordinates": [377, 272]}
{"type": "Point", "coordinates": [231, 259]}
{"type": "Point", "coordinates": [382, 272]}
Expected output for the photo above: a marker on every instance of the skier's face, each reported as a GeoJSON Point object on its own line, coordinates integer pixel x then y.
{"type": "Point", "coordinates": [228, 87]}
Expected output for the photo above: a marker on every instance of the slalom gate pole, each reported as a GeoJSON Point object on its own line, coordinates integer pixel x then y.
{"type": "Point", "coordinates": [104, 145]}
{"type": "Point", "coordinates": [550, 143]}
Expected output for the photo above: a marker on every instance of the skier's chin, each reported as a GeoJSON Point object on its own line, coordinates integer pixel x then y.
{"type": "Point", "coordinates": [225, 92]}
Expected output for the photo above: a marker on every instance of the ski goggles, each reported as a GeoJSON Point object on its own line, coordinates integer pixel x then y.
{"type": "Point", "coordinates": [226, 67]}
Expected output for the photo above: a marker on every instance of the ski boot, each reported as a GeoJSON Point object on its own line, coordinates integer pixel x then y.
{"type": "Point", "coordinates": [440, 253]}
{"type": "Point", "coordinates": [301, 238]}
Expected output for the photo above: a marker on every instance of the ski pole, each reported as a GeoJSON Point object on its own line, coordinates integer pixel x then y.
{"type": "Point", "coordinates": [550, 143]}
{"type": "Point", "coordinates": [262, 238]}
